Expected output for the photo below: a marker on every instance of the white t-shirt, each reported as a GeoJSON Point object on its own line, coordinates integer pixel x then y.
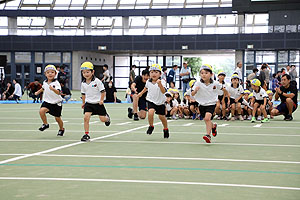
{"type": "Point", "coordinates": [154, 94]}
{"type": "Point", "coordinates": [186, 104]}
{"type": "Point", "coordinates": [49, 96]}
{"type": "Point", "coordinates": [260, 95]}
{"type": "Point", "coordinates": [235, 92]}
{"type": "Point", "coordinates": [106, 76]}
{"type": "Point", "coordinates": [239, 71]}
{"type": "Point", "coordinates": [189, 92]}
{"type": "Point", "coordinates": [220, 91]}
{"type": "Point", "coordinates": [207, 95]}
{"type": "Point", "coordinates": [174, 104]}
{"type": "Point", "coordinates": [18, 90]}
{"type": "Point", "coordinates": [92, 91]}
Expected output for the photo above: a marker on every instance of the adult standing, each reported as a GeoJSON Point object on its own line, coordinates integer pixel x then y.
{"type": "Point", "coordinates": [250, 77]}
{"type": "Point", "coordinates": [132, 75]}
{"type": "Point", "coordinates": [267, 71]}
{"type": "Point", "coordinates": [164, 76]}
{"type": "Point", "coordinates": [291, 70]}
{"type": "Point", "coordinates": [139, 102]}
{"type": "Point", "coordinates": [238, 71]}
{"type": "Point", "coordinates": [262, 76]}
{"type": "Point", "coordinates": [185, 73]}
{"type": "Point", "coordinates": [106, 75]}
{"type": "Point", "coordinates": [172, 75]}
{"type": "Point", "coordinates": [288, 95]}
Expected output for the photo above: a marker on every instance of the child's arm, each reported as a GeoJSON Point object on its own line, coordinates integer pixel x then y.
{"type": "Point", "coordinates": [195, 91]}
{"type": "Point", "coordinates": [54, 90]}
{"type": "Point", "coordinates": [237, 99]}
{"type": "Point", "coordinates": [142, 92]}
{"type": "Point", "coordinates": [161, 87]}
{"type": "Point", "coordinates": [265, 102]}
{"type": "Point", "coordinates": [83, 100]}
{"type": "Point", "coordinates": [39, 91]}
{"type": "Point", "coordinates": [103, 93]}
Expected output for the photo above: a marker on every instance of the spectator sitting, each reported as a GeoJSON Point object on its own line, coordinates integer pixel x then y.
{"type": "Point", "coordinates": [62, 75]}
{"type": "Point", "coordinates": [17, 94]}
{"type": "Point", "coordinates": [111, 93]}
{"type": "Point", "coordinates": [65, 92]}
{"type": "Point", "coordinates": [8, 92]}
{"type": "Point", "coordinates": [34, 87]}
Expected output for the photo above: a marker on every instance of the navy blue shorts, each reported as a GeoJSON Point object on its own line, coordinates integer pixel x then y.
{"type": "Point", "coordinates": [142, 104]}
{"type": "Point", "coordinates": [282, 108]}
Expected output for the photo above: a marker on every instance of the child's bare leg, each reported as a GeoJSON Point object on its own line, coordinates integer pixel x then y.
{"type": "Point", "coordinates": [60, 123]}
{"type": "Point", "coordinates": [208, 123]}
{"type": "Point", "coordinates": [163, 119]}
{"type": "Point", "coordinates": [43, 112]}
{"type": "Point", "coordinates": [254, 109]}
{"type": "Point", "coordinates": [87, 117]}
{"type": "Point", "coordinates": [103, 118]}
{"type": "Point", "coordinates": [151, 116]}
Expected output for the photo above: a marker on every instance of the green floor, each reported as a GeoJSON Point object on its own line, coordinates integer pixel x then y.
{"type": "Point", "coordinates": [243, 162]}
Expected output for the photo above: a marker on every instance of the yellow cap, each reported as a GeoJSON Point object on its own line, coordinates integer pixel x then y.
{"type": "Point", "coordinates": [269, 92]}
{"type": "Point", "coordinates": [155, 67]}
{"type": "Point", "coordinates": [87, 65]}
{"type": "Point", "coordinates": [191, 83]}
{"type": "Point", "coordinates": [50, 67]}
{"type": "Point", "coordinates": [221, 73]}
{"type": "Point", "coordinates": [251, 95]}
{"type": "Point", "coordinates": [247, 92]}
{"type": "Point", "coordinates": [255, 82]}
{"type": "Point", "coordinates": [173, 90]}
{"type": "Point", "coordinates": [168, 94]}
{"type": "Point", "coordinates": [207, 67]}
{"type": "Point", "coordinates": [185, 94]}
{"type": "Point", "coordinates": [235, 76]}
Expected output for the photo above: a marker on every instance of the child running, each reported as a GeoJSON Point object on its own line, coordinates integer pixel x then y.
{"type": "Point", "coordinates": [156, 99]}
{"type": "Point", "coordinates": [51, 100]}
{"type": "Point", "coordinates": [93, 93]}
{"type": "Point", "coordinates": [205, 93]}
{"type": "Point", "coordinates": [259, 100]}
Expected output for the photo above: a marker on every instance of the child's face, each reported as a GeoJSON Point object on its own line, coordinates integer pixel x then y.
{"type": "Point", "coordinates": [270, 96]}
{"type": "Point", "coordinates": [176, 95]}
{"type": "Point", "coordinates": [221, 78]}
{"type": "Point", "coordinates": [205, 75]}
{"type": "Point", "coordinates": [50, 74]}
{"type": "Point", "coordinates": [234, 81]}
{"type": "Point", "coordinates": [246, 96]}
{"type": "Point", "coordinates": [187, 97]}
{"type": "Point", "coordinates": [169, 99]}
{"type": "Point", "coordinates": [254, 87]}
{"type": "Point", "coordinates": [172, 85]}
{"type": "Point", "coordinates": [87, 73]}
{"type": "Point", "coordinates": [154, 74]}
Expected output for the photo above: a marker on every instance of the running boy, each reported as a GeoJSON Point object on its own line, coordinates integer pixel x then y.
{"type": "Point", "coordinates": [51, 100]}
{"type": "Point", "coordinates": [156, 99]}
{"type": "Point", "coordinates": [93, 93]}
{"type": "Point", "coordinates": [259, 101]}
{"type": "Point", "coordinates": [205, 93]}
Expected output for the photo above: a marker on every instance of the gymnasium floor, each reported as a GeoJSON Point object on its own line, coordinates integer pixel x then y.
{"type": "Point", "coordinates": [245, 161]}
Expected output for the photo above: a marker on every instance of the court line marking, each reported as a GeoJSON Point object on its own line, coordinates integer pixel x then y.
{"type": "Point", "coordinates": [201, 143]}
{"type": "Point", "coordinates": [223, 125]}
{"type": "Point", "coordinates": [183, 133]}
{"type": "Point", "coordinates": [151, 182]}
{"type": "Point", "coordinates": [188, 124]}
{"type": "Point", "coordinates": [198, 125]}
{"type": "Point", "coordinates": [163, 158]}
{"type": "Point", "coordinates": [151, 142]}
{"type": "Point", "coordinates": [124, 123]}
{"type": "Point", "coordinates": [72, 144]}
{"type": "Point", "coordinates": [257, 125]}
{"type": "Point", "coordinates": [151, 167]}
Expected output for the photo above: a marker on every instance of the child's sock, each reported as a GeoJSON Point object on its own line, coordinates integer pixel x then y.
{"type": "Point", "coordinates": [86, 133]}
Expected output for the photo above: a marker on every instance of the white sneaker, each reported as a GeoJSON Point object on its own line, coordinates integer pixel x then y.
{"type": "Point", "coordinates": [249, 117]}
{"type": "Point", "coordinates": [259, 118]}
{"type": "Point", "coordinates": [241, 118]}
{"type": "Point", "coordinates": [232, 119]}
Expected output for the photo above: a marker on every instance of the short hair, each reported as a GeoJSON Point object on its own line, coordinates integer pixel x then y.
{"type": "Point", "coordinates": [293, 65]}
{"type": "Point", "coordinates": [36, 79]}
{"type": "Point", "coordinates": [62, 67]}
{"type": "Point", "coordinates": [164, 69]}
{"type": "Point", "coordinates": [133, 66]}
{"type": "Point", "coordinates": [105, 65]}
{"type": "Point", "coordinates": [282, 69]}
{"type": "Point", "coordinates": [274, 75]}
{"type": "Point", "coordinates": [145, 72]}
{"type": "Point", "coordinates": [287, 76]}
{"type": "Point", "coordinates": [175, 66]}
{"type": "Point", "coordinates": [263, 66]}
{"type": "Point", "coordinates": [238, 63]}
{"type": "Point", "coordinates": [255, 70]}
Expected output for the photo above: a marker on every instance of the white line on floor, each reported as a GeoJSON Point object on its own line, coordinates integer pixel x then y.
{"type": "Point", "coordinates": [201, 143]}
{"type": "Point", "coordinates": [124, 123]}
{"type": "Point", "coordinates": [72, 144]}
{"type": "Point", "coordinates": [257, 125]}
{"type": "Point", "coordinates": [188, 124]}
{"type": "Point", "coordinates": [222, 125]}
{"type": "Point", "coordinates": [56, 122]}
{"type": "Point", "coordinates": [151, 182]}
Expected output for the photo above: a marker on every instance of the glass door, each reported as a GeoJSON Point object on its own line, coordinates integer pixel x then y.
{"type": "Point", "coordinates": [23, 74]}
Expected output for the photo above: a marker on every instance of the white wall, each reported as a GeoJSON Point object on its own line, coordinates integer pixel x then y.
{"type": "Point", "coordinates": [95, 58]}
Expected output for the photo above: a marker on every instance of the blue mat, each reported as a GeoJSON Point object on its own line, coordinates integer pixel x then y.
{"type": "Point", "coordinates": [31, 102]}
